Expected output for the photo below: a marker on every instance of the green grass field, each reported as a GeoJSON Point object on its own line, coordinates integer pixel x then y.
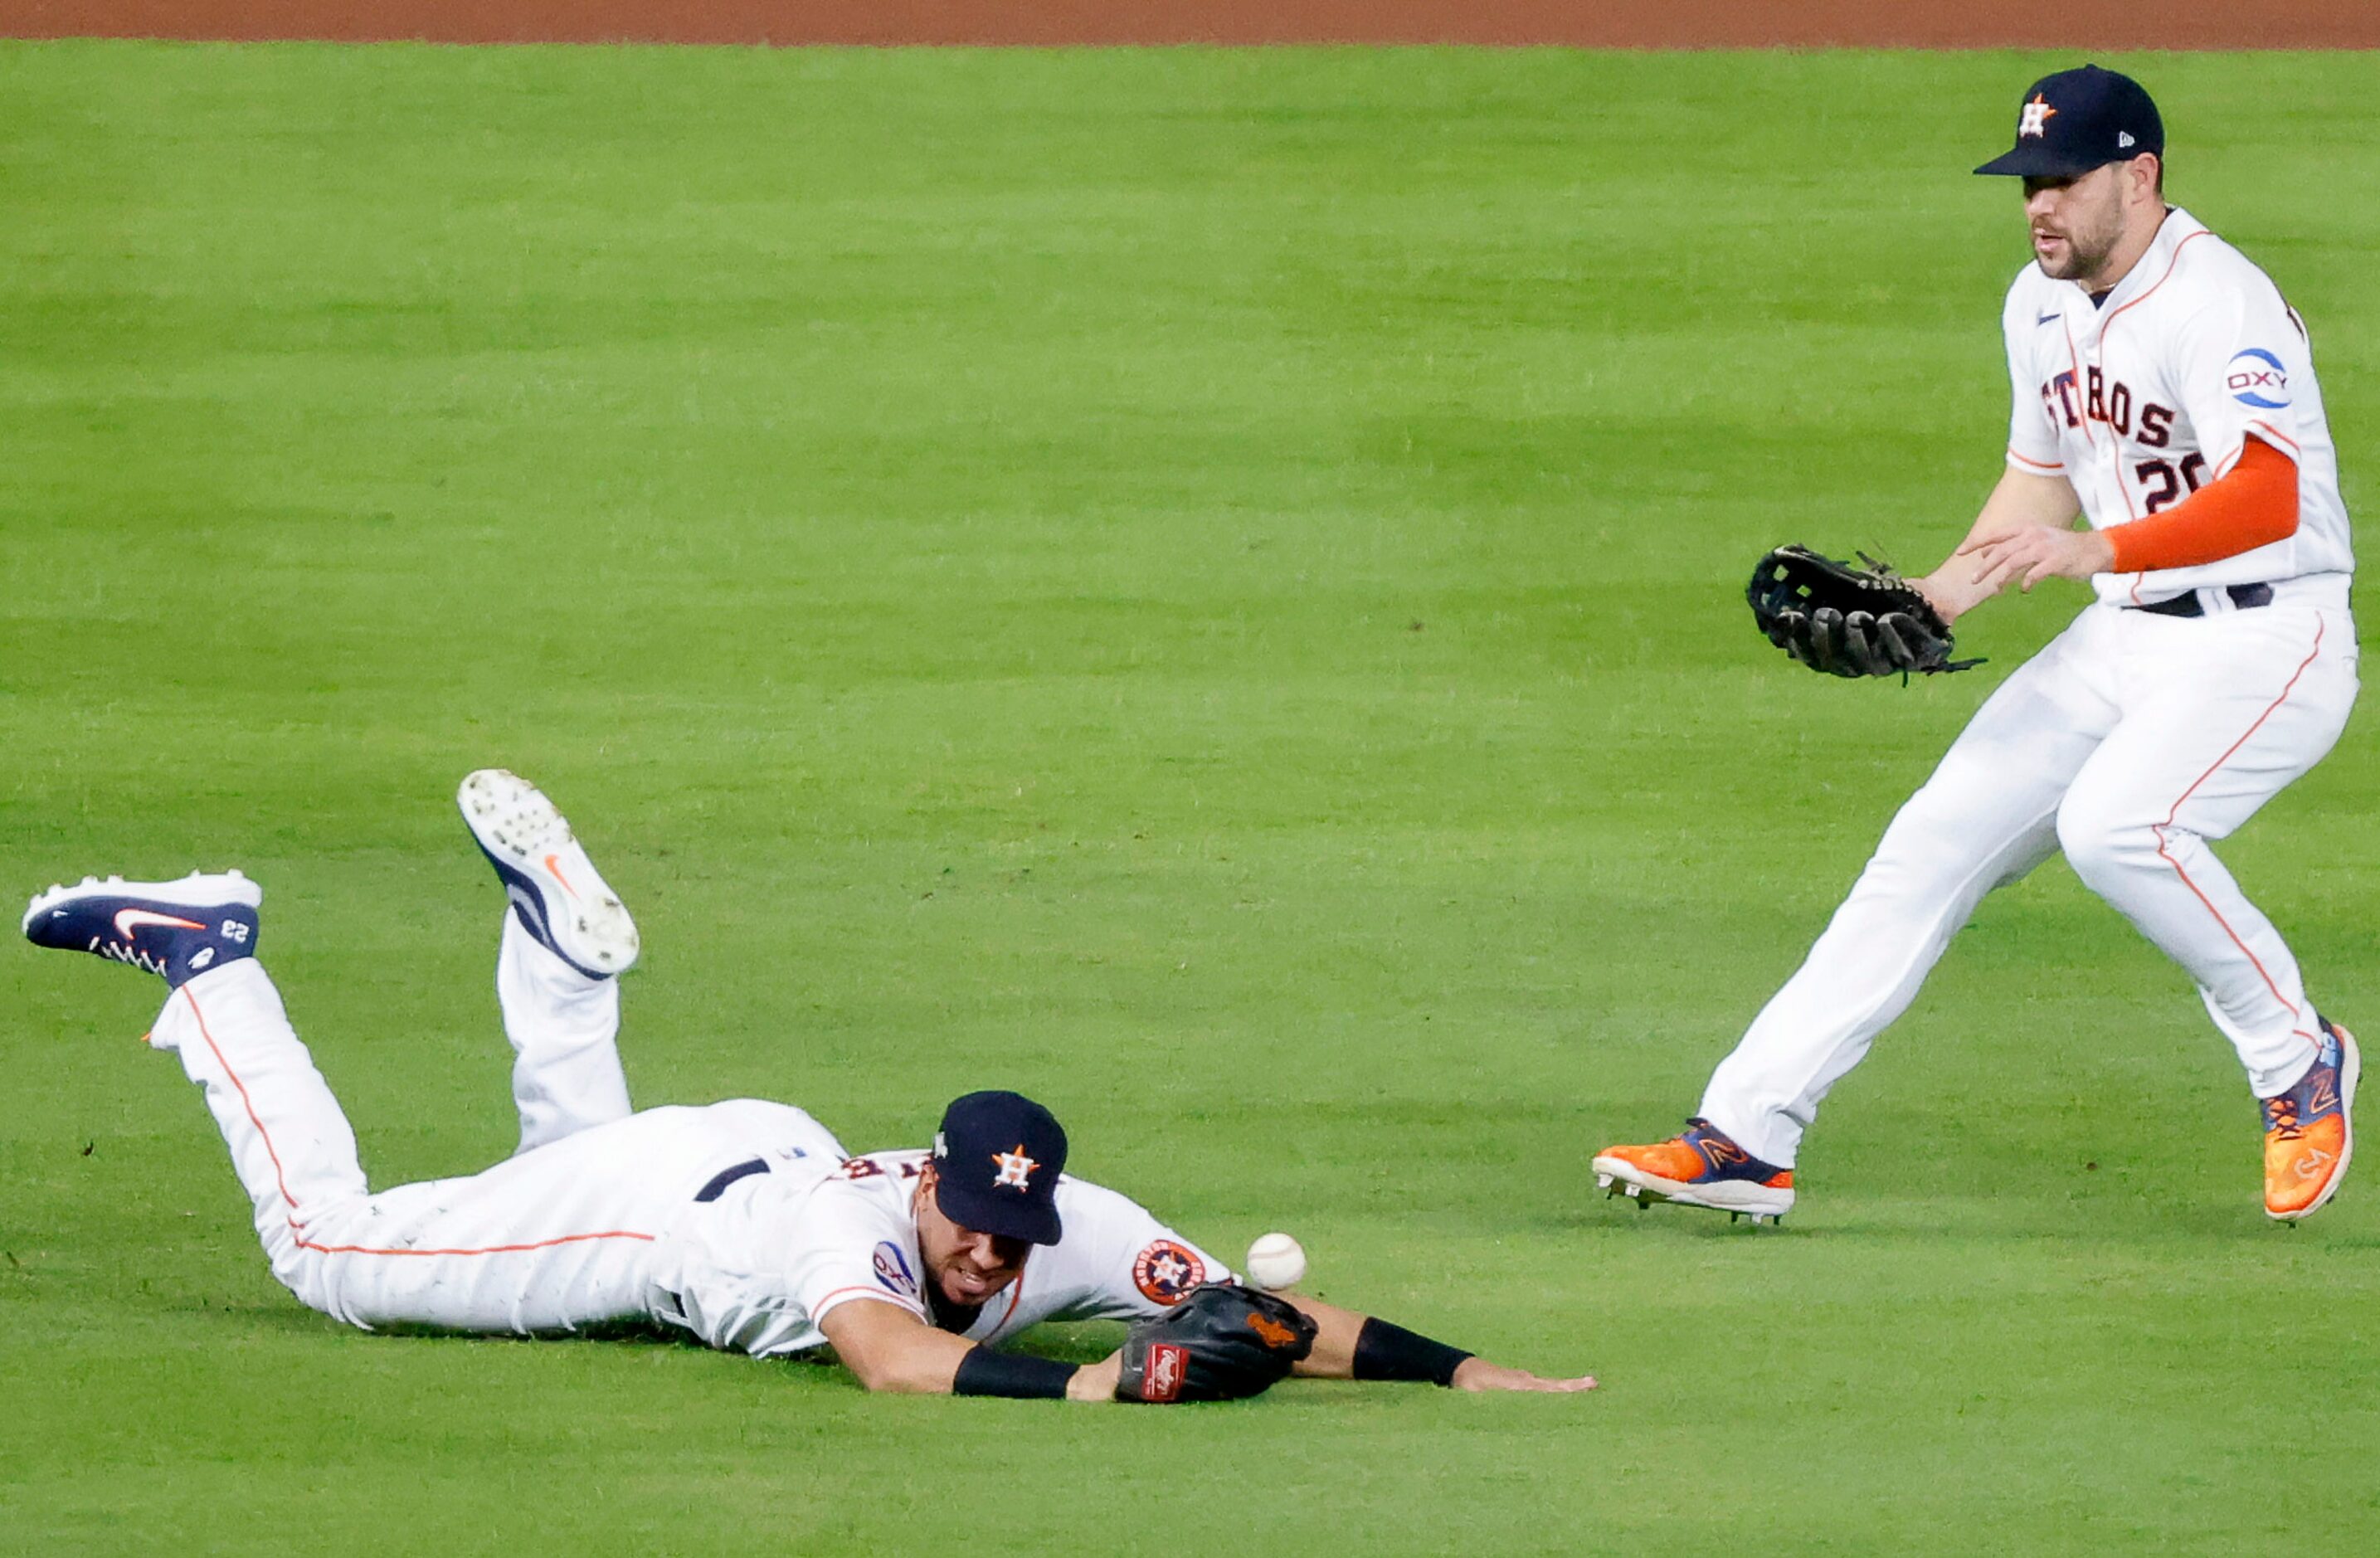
{"type": "Point", "coordinates": [1202, 586]}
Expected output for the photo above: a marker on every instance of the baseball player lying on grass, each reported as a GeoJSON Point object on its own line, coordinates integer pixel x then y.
{"type": "Point", "coordinates": [745, 1222]}
{"type": "Point", "coordinates": [2166, 392]}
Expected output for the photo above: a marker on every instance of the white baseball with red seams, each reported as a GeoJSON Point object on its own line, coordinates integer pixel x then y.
{"type": "Point", "coordinates": [2133, 739]}
{"type": "Point", "coordinates": [1276, 1262]}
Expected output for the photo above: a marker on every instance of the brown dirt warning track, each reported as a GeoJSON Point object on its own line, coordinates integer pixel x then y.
{"type": "Point", "coordinates": [2100, 24]}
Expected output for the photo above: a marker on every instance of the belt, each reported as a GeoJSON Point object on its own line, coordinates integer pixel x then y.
{"type": "Point", "coordinates": [726, 1176]}
{"type": "Point", "coordinates": [2243, 596]}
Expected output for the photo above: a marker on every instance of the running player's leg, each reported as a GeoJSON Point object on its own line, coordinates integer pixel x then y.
{"type": "Point", "coordinates": [2247, 702]}
{"type": "Point", "coordinates": [2257, 698]}
{"type": "Point", "coordinates": [1985, 818]}
{"type": "Point", "coordinates": [567, 938]}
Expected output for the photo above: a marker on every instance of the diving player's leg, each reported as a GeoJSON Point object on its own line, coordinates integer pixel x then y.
{"type": "Point", "coordinates": [2234, 710]}
{"type": "Point", "coordinates": [564, 1030]}
{"type": "Point", "coordinates": [1985, 818]}
{"type": "Point", "coordinates": [289, 1141]}
{"type": "Point", "coordinates": [567, 938]}
{"type": "Point", "coordinates": [577, 1232]}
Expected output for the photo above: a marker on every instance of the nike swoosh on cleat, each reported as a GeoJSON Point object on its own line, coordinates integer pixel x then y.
{"type": "Point", "coordinates": [553, 864]}
{"type": "Point", "coordinates": [131, 919]}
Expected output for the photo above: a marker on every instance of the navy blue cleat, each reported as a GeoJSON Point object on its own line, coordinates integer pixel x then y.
{"type": "Point", "coordinates": [554, 890]}
{"type": "Point", "coordinates": [176, 929]}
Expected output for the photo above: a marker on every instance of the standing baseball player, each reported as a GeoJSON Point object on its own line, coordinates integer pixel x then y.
{"type": "Point", "coordinates": [2165, 391]}
{"type": "Point", "coordinates": [745, 1222]}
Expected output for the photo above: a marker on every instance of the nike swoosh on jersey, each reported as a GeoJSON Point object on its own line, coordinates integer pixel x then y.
{"type": "Point", "coordinates": [131, 919]}
{"type": "Point", "coordinates": [2049, 318]}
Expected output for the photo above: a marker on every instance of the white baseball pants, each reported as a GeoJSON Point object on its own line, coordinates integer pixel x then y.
{"type": "Point", "coordinates": [559, 1236]}
{"type": "Point", "coordinates": [2130, 742]}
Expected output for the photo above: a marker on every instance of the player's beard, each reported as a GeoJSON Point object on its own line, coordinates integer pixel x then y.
{"type": "Point", "coordinates": [2091, 234]}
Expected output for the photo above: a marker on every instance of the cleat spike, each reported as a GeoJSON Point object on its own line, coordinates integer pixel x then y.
{"type": "Point", "coordinates": [1643, 1201]}
{"type": "Point", "coordinates": [1602, 1181]}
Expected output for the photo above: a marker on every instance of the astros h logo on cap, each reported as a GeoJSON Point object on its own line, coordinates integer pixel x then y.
{"type": "Point", "coordinates": [2077, 120]}
{"type": "Point", "coordinates": [997, 1160]}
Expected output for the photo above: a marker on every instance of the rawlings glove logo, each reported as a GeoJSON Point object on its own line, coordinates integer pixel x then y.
{"type": "Point", "coordinates": [1167, 1366]}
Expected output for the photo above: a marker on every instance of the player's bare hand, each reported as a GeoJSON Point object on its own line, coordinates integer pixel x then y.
{"type": "Point", "coordinates": [1950, 591]}
{"type": "Point", "coordinates": [2024, 557]}
{"type": "Point", "coordinates": [1478, 1374]}
{"type": "Point", "coordinates": [1096, 1382]}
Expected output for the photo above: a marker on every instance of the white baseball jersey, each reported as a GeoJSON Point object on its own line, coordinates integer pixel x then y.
{"type": "Point", "coordinates": [744, 1221]}
{"type": "Point", "coordinates": [2146, 397]}
{"type": "Point", "coordinates": [758, 1268]}
{"type": "Point", "coordinates": [2136, 740]}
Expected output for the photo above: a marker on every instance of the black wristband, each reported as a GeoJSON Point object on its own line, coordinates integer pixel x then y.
{"type": "Point", "coordinates": [1391, 1351]}
{"type": "Point", "coordinates": [985, 1373]}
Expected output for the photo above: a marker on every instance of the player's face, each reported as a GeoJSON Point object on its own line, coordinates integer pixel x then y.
{"type": "Point", "coordinates": [2076, 222]}
{"type": "Point", "coordinates": [967, 1266]}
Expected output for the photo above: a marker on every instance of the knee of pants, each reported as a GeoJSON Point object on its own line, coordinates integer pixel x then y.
{"type": "Point", "coordinates": [1930, 850]}
{"type": "Point", "coordinates": [2103, 840]}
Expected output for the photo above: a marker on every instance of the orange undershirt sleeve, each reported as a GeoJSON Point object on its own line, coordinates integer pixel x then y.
{"type": "Point", "coordinates": [2252, 504]}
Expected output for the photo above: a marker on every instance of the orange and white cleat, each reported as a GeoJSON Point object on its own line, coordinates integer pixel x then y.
{"type": "Point", "coordinates": [1704, 1168]}
{"type": "Point", "coordinates": [2309, 1133]}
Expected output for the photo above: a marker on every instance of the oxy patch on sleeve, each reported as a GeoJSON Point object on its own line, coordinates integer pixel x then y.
{"type": "Point", "coordinates": [2255, 377]}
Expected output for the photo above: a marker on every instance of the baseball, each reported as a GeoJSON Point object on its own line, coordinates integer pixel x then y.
{"type": "Point", "coordinates": [1276, 1261]}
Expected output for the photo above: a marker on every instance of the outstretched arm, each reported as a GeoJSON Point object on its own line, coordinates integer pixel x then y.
{"type": "Point", "coordinates": [891, 1349]}
{"type": "Point", "coordinates": [1354, 1347]}
{"type": "Point", "coordinates": [2040, 510]}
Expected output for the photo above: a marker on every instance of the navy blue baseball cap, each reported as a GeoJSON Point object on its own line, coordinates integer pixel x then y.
{"type": "Point", "coordinates": [2078, 120]}
{"type": "Point", "coordinates": [996, 1164]}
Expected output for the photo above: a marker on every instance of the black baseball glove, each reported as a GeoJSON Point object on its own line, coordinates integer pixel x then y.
{"type": "Point", "coordinates": [1849, 621]}
{"type": "Point", "coordinates": [1222, 1343]}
